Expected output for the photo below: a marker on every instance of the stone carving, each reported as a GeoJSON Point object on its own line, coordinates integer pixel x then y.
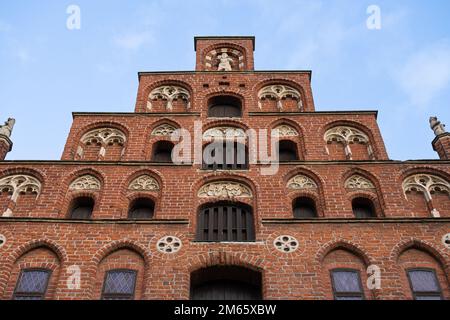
{"type": "Point", "coordinates": [104, 136]}
{"type": "Point", "coordinates": [164, 130]}
{"type": "Point", "coordinates": [19, 184]}
{"type": "Point", "coordinates": [301, 182]}
{"type": "Point", "coordinates": [144, 183]}
{"type": "Point", "coordinates": [225, 189]}
{"type": "Point", "coordinates": [284, 130]}
{"type": "Point", "coordinates": [6, 129]}
{"type": "Point", "coordinates": [346, 135]}
{"type": "Point", "coordinates": [224, 62]}
{"type": "Point", "coordinates": [169, 245]}
{"type": "Point", "coordinates": [358, 182]}
{"type": "Point", "coordinates": [446, 241]}
{"type": "Point", "coordinates": [86, 182]}
{"type": "Point", "coordinates": [437, 126]}
{"type": "Point", "coordinates": [426, 184]}
{"type": "Point", "coordinates": [169, 94]}
{"type": "Point", "coordinates": [279, 93]}
{"type": "Point", "coordinates": [286, 244]}
{"type": "Point", "coordinates": [224, 133]}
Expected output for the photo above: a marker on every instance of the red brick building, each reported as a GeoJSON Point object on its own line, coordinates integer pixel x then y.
{"type": "Point", "coordinates": [115, 218]}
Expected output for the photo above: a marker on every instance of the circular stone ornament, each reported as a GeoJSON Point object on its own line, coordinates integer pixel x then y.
{"type": "Point", "coordinates": [2, 240]}
{"type": "Point", "coordinates": [169, 245]}
{"type": "Point", "coordinates": [286, 244]}
{"type": "Point", "coordinates": [446, 241]}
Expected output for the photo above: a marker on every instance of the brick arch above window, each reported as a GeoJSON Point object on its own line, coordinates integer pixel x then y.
{"type": "Point", "coordinates": [169, 93]}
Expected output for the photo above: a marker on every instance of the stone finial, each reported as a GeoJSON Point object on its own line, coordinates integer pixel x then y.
{"type": "Point", "coordinates": [6, 129]}
{"type": "Point", "coordinates": [437, 126]}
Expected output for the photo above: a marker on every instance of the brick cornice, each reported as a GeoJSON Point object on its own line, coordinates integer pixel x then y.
{"type": "Point", "coordinates": [355, 221]}
{"type": "Point", "coordinates": [96, 221]}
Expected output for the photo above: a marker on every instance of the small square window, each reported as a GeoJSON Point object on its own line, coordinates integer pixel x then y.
{"type": "Point", "coordinates": [119, 285]}
{"type": "Point", "coordinates": [32, 284]}
{"type": "Point", "coordinates": [346, 285]}
{"type": "Point", "coordinates": [424, 284]}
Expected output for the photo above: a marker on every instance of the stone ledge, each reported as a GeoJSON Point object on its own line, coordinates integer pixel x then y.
{"type": "Point", "coordinates": [355, 221]}
{"type": "Point", "coordinates": [97, 221]}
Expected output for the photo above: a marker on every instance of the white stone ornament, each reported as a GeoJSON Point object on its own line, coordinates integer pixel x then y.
{"type": "Point", "coordinates": [224, 133]}
{"type": "Point", "coordinates": [437, 126]}
{"type": "Point", "coordinates": [169, 94]}
{"type": "Point", "coordinates": [104, 136]}
{"type": "Point", "coordinates": [286, 244]}
{"type": "Point", "coordinates": [86, 182]}
{"type": "Point", "coordinates": [346, 135]}
{"type": "Point", "coordinates": [164, 130]}
{"type": "Point", "coordinates": [18, 184]}
{"type": "Point", "coordinates": [284, 130]}
{"type": "Point", "coordinates": [301, 182]}
{"type": "Point", "coordinates": [356, 182]}
{"type": "Point", "coordinates": [224, 189]}
{"type": "Point", "coordinates": [6, 129]}
{"type": "Point", "coordinates": [169, 245]}
{"type": "Point", "coordinates": [2, 240]}
{"type": "Point", "coordinates": [224, 62]}
{"type": "Point", "coordinates": [144, 183]}
{"type": "Point", "coordinates": [446, 241]}
{"type": "Point", "coordinates": [427, 184]}
{"type": "Point", "coordinates": [279, 93]}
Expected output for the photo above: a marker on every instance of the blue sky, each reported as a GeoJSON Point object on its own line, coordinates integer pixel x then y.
{"type": "Point", "coordinates": [48, 71]}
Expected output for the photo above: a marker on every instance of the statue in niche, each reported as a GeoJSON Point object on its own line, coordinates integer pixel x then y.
{"type": "Point", "coordinates": [437, 126]}
{"type": "Point", "coordinates": [225, 62]}
{"type": "Point", "coordinates": [7, 128]}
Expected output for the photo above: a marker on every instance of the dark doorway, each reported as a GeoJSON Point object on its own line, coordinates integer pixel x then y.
{"type": "Point", "coordinates": [224, 107]}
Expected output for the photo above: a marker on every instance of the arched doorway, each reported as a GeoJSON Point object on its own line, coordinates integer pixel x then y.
{"type": "Point", "coordinates": [226, 283]}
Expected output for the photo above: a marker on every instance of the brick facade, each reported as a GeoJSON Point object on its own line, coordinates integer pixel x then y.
{"type": "Point", "coordinates": [411, 201]}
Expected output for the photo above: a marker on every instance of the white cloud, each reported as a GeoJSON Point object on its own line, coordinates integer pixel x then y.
{"type": "Point", "coordinates": [426, 73]}
{"type": "Point", "coordinates": [133, 41]}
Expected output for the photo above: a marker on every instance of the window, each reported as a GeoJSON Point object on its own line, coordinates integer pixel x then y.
{"type": "Point", "coordinates": [424, 284]}
{"type": "Point", "coordinates": [82, 208]}
{"type": "Point", "coordinates": [32, 284]}
{"type": "Point", "coordinates": [119, 285]}
{"type": "Point", "coordinates": [225, 156]}
{"type": "Point", "coordinates": [224, 107]}
{"type": "Point", "coordinates": [287, 151]}
{"type": "Point", "coordinates": [363, 208]}
{"type": "Point", "coordinates": [346, 284]}
{"type": "Point", "coordinates": [141, 208]}
{"type": "Point", "coordinates": [162, 152]}
{"type": "Point", "coordinates": [226, 222]}
{"type": "Point", "coordinates": [304, 208]}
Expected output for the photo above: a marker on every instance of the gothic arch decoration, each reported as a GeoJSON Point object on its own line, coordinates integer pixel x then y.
{"type": "Point", "coordinates": [348, 135]}
{"type": "Point", "coordinates": [164, 129]}
{"type": "Point", "coordinates": [225, 132]}
{"type": "Point", "coordinates": [144, 183]}
{"type": "Point", "coordinates": [104, 137]}
{"type": "Point", "coordinates": [285, 131]}
{"type": "Point", "coordinates": [169, 93]}
{"type": "Point", "coordinates": [358, 182]}
{"type": "Point", "coordinates": [224, 59]}
{"type": "Point", "coordinates": [301, 182]}
{"type": "Point", "coordinates": [426, 184]}
{"type": "Point", "coordinates": [279, 93]}
{"type": "Point", "coordinates": [85, 183]}
{"type": "Point", "coordinates": [225, 189]}
{"type": "Point", "coordinates": [19, 184]}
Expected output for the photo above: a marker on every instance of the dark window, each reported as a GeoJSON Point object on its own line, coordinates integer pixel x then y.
{"type": "Point", "coordinates": [224, 107]}
{"type": "Point", "coordinates": [304, 208]}
{"type": "Point", "coordinates": [226, 222]}
{"type": "Point", "coordinates": [82, 208]}
{"type": "Point", "coordinates": [225, 156]}
{"type": "Point", "coordinates": [363, 208]}
{"type": "Point", "coordinates": [287, 151]}
{"type": "Point", "coordinates": [226, 283]}
{"type": "Point", "coordinates": [32, 284]}
{"type": "Point", "coordinates": [162, 152]}
{"type": "Point", "coordinates": [142, 208]}
{"type": "Point", "coordinates": [346, 284]}
{"type": "Point", "coordinates": [119, 285]}
{"type": "Point", "coordinates": [424, 284]}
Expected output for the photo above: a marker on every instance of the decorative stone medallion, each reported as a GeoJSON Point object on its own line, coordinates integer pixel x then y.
{"type": "Point", "coordinates": [2, 240]}
{"type": "Point", "coordinates": [446, 241]}
{"type": "Point", "coordinates": [286, 244]}
{"type": "Point", "coordinates": [169, 245]}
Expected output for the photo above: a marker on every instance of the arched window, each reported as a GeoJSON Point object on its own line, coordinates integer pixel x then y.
{"type": "Point", "coordinates": [141, 209]}
{"type": "Point", "coordinates": [224, 107]}
{"type": "Point", "coordinates": [119, 285]}
{"type": "Point", "coordinates": [288, 151]}
{"type": "Point", "coordinates": [304, 208]}
{"type": "Point", "coordinates": [82, 208]}
{"type": "Point", "coordinates": [162, 152]}
{"type": "Point", "coordinates": [226, 283]}
{"type": "Point", "coordinates": [225, 221]}
{"type": "Point", "coordinates": [225, 155]}
{"type": "Point", "coordinates": [32, 284]}
{"type": "Point", "coordinates": [363, 208]}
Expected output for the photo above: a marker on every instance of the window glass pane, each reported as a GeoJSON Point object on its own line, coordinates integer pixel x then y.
{"type": "Point", "coordinates": [346, 281]}
{"type": "Point", "coordinates": [33, 282]}
{"type": "Point", "coordinates": [423, 281]}
{"type": "Point", "coordinates": [349, 298]}
{"type": "Point", "coordinates": [428, 298]}
{"type": "Point", "coordinates": [120, 282]}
